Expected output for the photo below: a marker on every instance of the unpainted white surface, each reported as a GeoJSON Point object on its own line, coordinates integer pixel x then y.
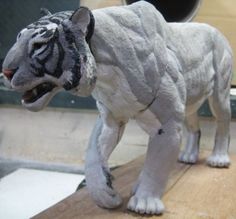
{"type": "Point", "coordinates": [25, 192]}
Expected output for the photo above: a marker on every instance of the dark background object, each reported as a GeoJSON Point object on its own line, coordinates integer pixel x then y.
{"type": "Point", "coordinates": [15, 15]}
{"type": "Point", "coordinates": [175, 11]}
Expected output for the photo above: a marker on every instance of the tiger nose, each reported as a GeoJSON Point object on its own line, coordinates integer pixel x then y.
{"type": "Point", "coordinates": [8, 73]}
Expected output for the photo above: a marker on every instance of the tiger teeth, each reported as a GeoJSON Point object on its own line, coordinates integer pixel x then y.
{"type": "Point", "coordinates": [35, 92]}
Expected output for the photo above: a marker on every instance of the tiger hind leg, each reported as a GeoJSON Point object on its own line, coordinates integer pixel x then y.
{"type": "Point", "coordinates": [191, 150]}
{"type": "Point", "coordinates": [219, 103]}
{"type": "Point", "coordinates": [222, 113]}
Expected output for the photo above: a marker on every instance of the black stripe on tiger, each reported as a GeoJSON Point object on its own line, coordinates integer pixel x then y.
{"type": "Point", "coordinates": [55, 20]}
{"type": "Point", "coordinates": [44, 50]}
{"type": "Point", "coordinates": [71, 40]}
{"type": "Point", "coordinates": [45, 55]}
{"type": "Point", "coordinates": [76, 68]}
{"type": "Point", "coordinates": [61, 52]}
{"type": "Point", "coordinates": [69, 36]}
{"type": "Point", "coordinates": [43, 60]}
{"type": "Point", "coordinates": [40, 71]}
{"type": "Point", "coordinates": [36, 71]}
{"type": "Point", "coordinates": [48, 33]}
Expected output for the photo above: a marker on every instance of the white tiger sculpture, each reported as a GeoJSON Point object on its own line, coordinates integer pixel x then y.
{"type": "Point", "coordinates": [136, 66]}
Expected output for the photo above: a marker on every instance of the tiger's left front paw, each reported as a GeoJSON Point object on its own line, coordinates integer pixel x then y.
{"type": "Point", "coordinates": [146, 205]}
{"type": "Point", "coordinates": [100, 188]}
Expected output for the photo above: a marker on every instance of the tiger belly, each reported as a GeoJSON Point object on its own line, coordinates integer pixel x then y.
{"type": "Point", "coordinates": [200, 83]}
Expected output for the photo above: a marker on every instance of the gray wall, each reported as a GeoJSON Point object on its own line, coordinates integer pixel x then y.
{"type": "Point", "coordinates": [15, 14]}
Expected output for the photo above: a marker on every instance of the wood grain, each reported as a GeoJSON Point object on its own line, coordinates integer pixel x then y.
{"type": "Point", "coordinates": [203, 192]}
{"type": "Point", "coordinates": [196, 191]}
{"type": "Point", "coordinates": [80, 205]}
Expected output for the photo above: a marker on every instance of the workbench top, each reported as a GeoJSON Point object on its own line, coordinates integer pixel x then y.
{"type": "Point", "coordinates": [193, 191]}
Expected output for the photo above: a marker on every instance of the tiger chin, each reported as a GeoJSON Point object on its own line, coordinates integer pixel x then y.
{"type": "Point", "coordinates": [43, 61]}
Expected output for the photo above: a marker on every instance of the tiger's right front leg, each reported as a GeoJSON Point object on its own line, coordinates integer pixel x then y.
{"type": "Point", "coordinates": [105, 136]}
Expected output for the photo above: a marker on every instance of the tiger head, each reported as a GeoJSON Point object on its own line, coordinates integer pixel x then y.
{"type": "Point", "coordinates": [50, 55]}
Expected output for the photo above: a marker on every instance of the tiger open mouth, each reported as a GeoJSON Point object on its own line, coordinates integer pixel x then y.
{"type": "Point", "coordinates": [36, 93]}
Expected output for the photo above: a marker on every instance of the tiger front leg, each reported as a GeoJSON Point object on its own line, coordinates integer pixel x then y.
{"type": "Point", "coordinates": [105, 136]}
{"type": "Point", "coordinates": [162, 152]}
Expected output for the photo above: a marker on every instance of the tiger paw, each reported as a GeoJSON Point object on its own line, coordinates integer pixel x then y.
{"type": "Point", "coordinates": [218, 160]}
{"type": "Point", "coordinates": [100, 188]}
{"type": "Point", "coordinates": [107, 198]}
{"type": "Point", "coordinates": [189, 158]}
{"type": "Point", "coordinates": [146, 205]}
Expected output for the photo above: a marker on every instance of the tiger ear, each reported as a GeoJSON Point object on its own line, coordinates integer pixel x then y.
{"type": "Point", "coordinates": [81, 17]}
{"type": "Point", "coordinates": [45, 12]}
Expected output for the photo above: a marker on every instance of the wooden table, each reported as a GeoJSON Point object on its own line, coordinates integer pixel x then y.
{"type": "Point", "coordinates": [193, 191]}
